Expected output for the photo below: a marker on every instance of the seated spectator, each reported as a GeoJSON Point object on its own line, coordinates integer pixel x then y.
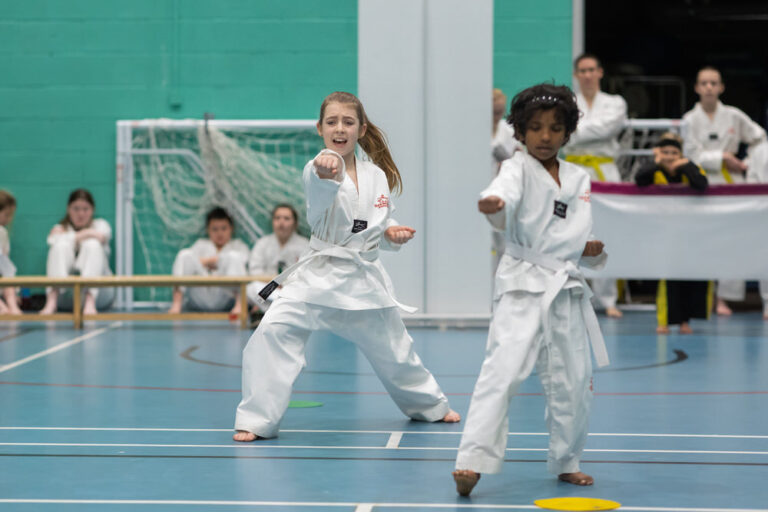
{"type": "Point", "coordinates": [79, 244]}
{"type": "Point", "coordinates": [676, 301]}
{"type": "Point", "coordinates": [273, 253]}
{"type": "Point", "coordinates": [217, 255]}
{"type": "Point", "coordinates": [9, 303]}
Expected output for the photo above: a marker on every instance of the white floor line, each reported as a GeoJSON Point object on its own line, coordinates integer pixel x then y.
{"type": "Point", "coordinates": [60, 346]}
{"type": "Point", "coordinates": [348, 504]}
{"type": "Point", "coordinates": [404, 448]}
{"type": "Point", "coordinates": [394, 440]}
{"type": "Point", "coordinates": [364, 507]}
{"type": "Point", "coordinates": [388, 432]}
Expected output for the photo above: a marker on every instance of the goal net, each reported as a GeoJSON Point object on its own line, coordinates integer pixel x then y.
{"type": "Point", "coordinates": [171, 173]}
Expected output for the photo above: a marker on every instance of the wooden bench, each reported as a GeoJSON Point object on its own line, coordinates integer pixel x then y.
{"type": "Point", "coordinates": [77, 283]}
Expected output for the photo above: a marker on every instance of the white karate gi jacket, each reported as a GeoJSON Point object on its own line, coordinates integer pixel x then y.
{"type": "Point", "coordinates": [529, 220]}
{"type": "Point", "coordinates": [598, 130]}
{"type": "Point", "coordinates": [706, 139]}
{"type": "Point", "coordinates": [267, 254]}
{"type": "Point", "coordinates": [333, 205]}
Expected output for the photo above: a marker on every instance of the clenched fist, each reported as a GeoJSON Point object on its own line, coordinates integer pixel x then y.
{"type": "Point", "coordinates": [327, 166]}
{"type": "Point", "coordinates": [399, 234]}
{"type": "Point", "coordinates": [593, 248]}
{"type": "Point", "coordinates": [490, 204]}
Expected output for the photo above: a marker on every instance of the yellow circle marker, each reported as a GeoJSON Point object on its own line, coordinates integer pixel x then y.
{"type": "Point", "coordinates": [577, 504]}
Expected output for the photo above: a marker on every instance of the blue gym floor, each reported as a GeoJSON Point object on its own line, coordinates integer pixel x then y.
{"type": "Point", "coordinates": [138, 417]}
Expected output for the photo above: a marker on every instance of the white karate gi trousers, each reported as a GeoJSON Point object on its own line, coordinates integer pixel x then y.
{"type": "Point", "coordinates": [606, 293]}
{"type": "Point", "coordinates": [89, 259]}
{"type": "Point", "coordinates": [274, 356]}
{"type": "Point", "coordinates": [563, 362]}
{"type": "Point", "coordinates": [209, 298]}
{"type": "Point", "coordinates": [736, 290]}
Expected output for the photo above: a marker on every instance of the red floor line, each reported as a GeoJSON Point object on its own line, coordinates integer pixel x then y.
{"type": "Point", "coordinates": [299, 392]}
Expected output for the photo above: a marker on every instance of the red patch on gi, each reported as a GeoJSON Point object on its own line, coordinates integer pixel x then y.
{"type": "Point", "coordinates": [586, 197]}
{"type": "Point", "coordinates": [382, 201]}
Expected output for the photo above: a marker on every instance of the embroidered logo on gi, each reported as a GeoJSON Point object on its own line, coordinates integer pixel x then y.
{"type": "Point", "coordinates": [382, 201]}
{"type": "Point", "coordinates": [359, 225]}
{"type": "Point", "coordinates": [560, 209]}
{"type": "Point", "coordinates": [586, 197]}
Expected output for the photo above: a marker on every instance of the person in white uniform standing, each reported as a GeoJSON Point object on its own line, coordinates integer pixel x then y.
{"type": "Point", "coordinates": [275, 252]}
{"type": "Point", "coordinates": [712, 137]}
{"type": "Point", "coordinates": [339, 285]}
{"type": "Point", "coordinates": [9, 303]}
{"type": "Point", "coordinates": [218, 255]}
{"type": "Point", "coordinates": [595, 146]}
{"type": "Point", "coordinates": [542, 315]}
{"type": "Point", "coordinates": [79, 244]}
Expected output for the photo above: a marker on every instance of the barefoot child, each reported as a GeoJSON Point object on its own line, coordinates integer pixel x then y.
{"type": "Point", "coordinates": [218, 255]}
{"type": "Point", "coordinates": [9, 303]}
{"type": "Point", "coordinates": [676, 301]}
{"type": "Point", "coordinates": [541, 311]}
{"type": "Point", "coordinates": [339, 285]}
{"type": "Point", "coordinates": [79, 244]}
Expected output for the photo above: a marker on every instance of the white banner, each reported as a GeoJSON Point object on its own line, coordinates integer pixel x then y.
{"type": "Point", "coordinates": [674, 232]}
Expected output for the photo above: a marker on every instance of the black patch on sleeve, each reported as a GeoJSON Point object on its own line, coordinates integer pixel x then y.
{"type": "Point", "coordinates": [267, 290]}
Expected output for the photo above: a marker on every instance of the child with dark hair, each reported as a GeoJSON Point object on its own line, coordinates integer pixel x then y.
{"type": "Point", "coordinates": [217, 255]}
{"type": "Point", "coordinates": [542, 316]}
{"type": "Point", "coordinates": [79, 243]}
{"type": "Point", "coordinates": [677, 301]}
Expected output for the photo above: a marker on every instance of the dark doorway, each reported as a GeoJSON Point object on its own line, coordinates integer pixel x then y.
{"type": "Point", "coordinates": [651, 51]}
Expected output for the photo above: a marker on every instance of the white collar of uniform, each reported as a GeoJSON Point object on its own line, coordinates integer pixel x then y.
{"type": "Point", "coordinates": [564, 167]}
{"type": "Point", "coordinates": [719, 107]}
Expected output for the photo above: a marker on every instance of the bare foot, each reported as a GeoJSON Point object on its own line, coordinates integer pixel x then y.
{"type": "Point", "coordinates": [451, 417]}
{"type": "Point", "coordinates": [245, 437]}
{"type": "Point", "coordinates": [722, 308]}
{"type": "Point", "coordinates": [89, 305]}
{"type": "Point", "coordinates": [765, 313]}
{"type": "Point", "coordinates": [3, 308]}
{"type": "Point", "coordinates": [576, 478]}
{"type": "Point", "coordinates": [174, 309]}
{"type": "Point", "coordinates": [466, 480]}
{"type": "Point", "coordinates": [49, 308]}
{"type": "Point", "coordinates": [613, 312]}
{"type": "Point", "coordinates": [685, 328]}
{"type": "Point", "coordinates": [662, 329]}
{"type": "Point", "coordinates": [13, 309]}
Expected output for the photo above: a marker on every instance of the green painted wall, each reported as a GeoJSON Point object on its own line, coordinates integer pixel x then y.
{"type": "Point", "coordinates": [532, 43]}
{"type": "Point", "coordinates": [71, 68]}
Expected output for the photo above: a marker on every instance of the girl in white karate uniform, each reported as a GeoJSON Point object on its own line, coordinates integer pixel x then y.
{"type": "Point", "coordinates": [79, 244]}
{"type": "Point", "coordinates": [541, 312]}
{"type": "Point", "coordinates": [275, 252]}
{"type": "Point", "coordinates": [9, 303]}
{"type": "Point", "coordinates": [339, 285]}
{"type": "Point", "coordinates": [217, 255]}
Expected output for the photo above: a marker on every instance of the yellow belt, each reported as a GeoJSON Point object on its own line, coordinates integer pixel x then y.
{"type": "Point", "coordinates": [726, 174]}
{"type": "Point", "coordinates": [590, 161]}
